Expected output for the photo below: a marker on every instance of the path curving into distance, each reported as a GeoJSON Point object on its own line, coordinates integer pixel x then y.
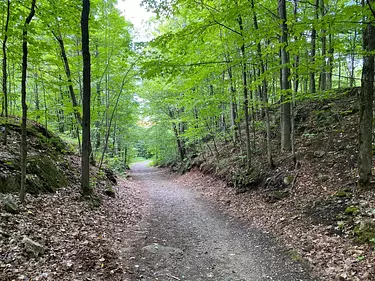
{"type": "Point", "coordinates": [184, 237]}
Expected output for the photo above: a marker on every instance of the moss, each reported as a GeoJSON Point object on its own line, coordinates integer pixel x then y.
{"type": "Point", "coordinates": [288, 180]}
{"type": "Point", "coordinates": [94, 201]}
{"type": "Point", "coordinates": [343, 194]}
{"type": "Point", "coordinates": [277, 195]}
{"type": "Point", "coordinates": [294, 255]}
{"type": "Point", "coordinates": [351, 210]}
{"type": "Point", "coordinates": [365, 231]}
{"type": "Point", "coordinates": [44, 174]}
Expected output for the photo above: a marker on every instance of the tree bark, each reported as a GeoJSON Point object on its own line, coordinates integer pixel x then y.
{"type": "Point", "coordinates": [5, 73]}
{"type": "Point", "coordinates": [313, 50]}
{"type": "Point", "coordinates": [245, 95]}
{"type": "Point", "coordinates": [285, 85]}
{"type": "Point", "coordinates": [365, 106]}
{"type": "Point", "coordinates": [73, 98]}
{"type": "Point", "coordinates": [233, 106]}
{"type": "Point", "coordinates": [323, 74]}
{"type": "Point", "coordinates": [264, 94]}
{"type": "Point", "coordinates": [23, 101]}
{"type": "Point", "coordinates": [86, 142]}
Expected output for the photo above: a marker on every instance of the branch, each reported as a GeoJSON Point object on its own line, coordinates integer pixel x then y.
{"type": "Point", "coordinates": [372, 10]}
{"type": "Point", "coordinates": [272, 13]}
{"type": "Point", "coordinates": [227, 27]}
{"type": "Point", "coordinates": [207, 6]}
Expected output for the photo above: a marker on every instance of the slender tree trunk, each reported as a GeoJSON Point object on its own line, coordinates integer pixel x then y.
{"type": "Point", "coordinates": [285, 85]}
{"type": "Point", "coordinates": [339, 82]}
{"type": "Point", "coordinates": [86, 142]}
{"type": "Point", "coordinates": [313, 50]}
{"type": "Point", "coordinates": [36, 93]}
{"type": "Point", "coordinates": [233, 106]}
{"type": "Point", "coordinates": [179, 143]}
{"type": "Point", "coordinates": [73, 98]}
{"type": "Point", "coordinates": [323, 74]}
{"type": "Point", "coordinates": [5, 74]}
{"type": "Point", "coordinates": [245, 96]}
{"type": "Point", "coordinates": [352, 61]}
{"type": "Point", "coordinates": [330, 62]}
{"type": "Point", "coordinates": [365, 106]}
{"type": "Point", "coordinates": [264, 91]}
{"type": "Point", "coordinates": [23, 100]}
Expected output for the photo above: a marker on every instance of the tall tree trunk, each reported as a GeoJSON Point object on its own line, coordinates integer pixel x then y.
{"type": "Point", "coordinates": [264, 91]}
{"type": "Point", "coordinates": [73, 97]}
{"type": "Point", "coordinates": [23, 101]}
{"type": "Point", "coordinates": [180, 146]}
{"type": "Point", "coordinates": [365, 106]}
{"type": "Point", "coordinates": [86, 142]}
{"type": "Point", "coordinates": [313, 50]}
{"type": "Point", "coordinates": [352, 60]}
{"type": "Point", "coordinates": [285, 85]}
{"type": "Point", "coordinates": [36, 93]}
{"type": "Point", "coordinates": [5, 73]}
{"type": "Point", "coordinates": [245, 95]}
{"type": "Point", "coordinates": [323, 74]}
{"type": "Point", "coordinates": [233, 106]}
{"type": "Point", "coordinates": [330, 62]}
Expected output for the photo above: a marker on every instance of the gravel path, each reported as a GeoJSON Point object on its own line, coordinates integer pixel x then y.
{"type": "Point", "coordinates": [184, 237]}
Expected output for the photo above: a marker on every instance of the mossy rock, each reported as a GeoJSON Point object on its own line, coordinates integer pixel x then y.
{"type": "Point", "coordinates": [365, 231]}
{"type": "Point", "coordinates": [44, 175]}
{"type": "Point", "coordinates": [109, 191]}
{"type": "Point", "coordinates": [245, 181]}
{"type": "Point", "coordinates": [342, 194]}
{"type": "Point", "coordinates": [288, 180]}
{"type": "Point", "coordinates": [351, 211]}
{"type": "Point", "coordinates": [277, 195]}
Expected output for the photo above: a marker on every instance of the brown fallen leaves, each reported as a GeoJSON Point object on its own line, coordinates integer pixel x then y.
{"type": "Point", "coordinates": [81, 242]}
{"type": "Point", "coordinates": [330, 255]}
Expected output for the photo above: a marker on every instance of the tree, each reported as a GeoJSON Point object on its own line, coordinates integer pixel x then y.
{"type": "Point", "coordinates": [5, 73]}
{"type": "Point", "coordinates": [366, 104]}
{"type": "Point", "coordinates": [285, 84]}
{"type": "Point", "coordinates": [24, 105]}
{"type": "Point", "coordinates": [85, 164]}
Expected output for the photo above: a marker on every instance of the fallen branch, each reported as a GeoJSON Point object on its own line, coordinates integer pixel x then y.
{"type": "Point", "coordinates": [294, 181]}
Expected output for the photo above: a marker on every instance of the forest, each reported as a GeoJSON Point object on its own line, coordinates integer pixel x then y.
{"type": "Point", "coordinates": [274, 97]}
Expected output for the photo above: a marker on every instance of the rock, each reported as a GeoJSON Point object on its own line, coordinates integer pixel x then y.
{"type": "Point", "coordinates": [110, 191]}
{"type": "Point", "coordinates": [33, 247]}
{"type": "Point", "coordinates": [275, 196]}
{"type": "Point", "coordinates": [365, 231]}
{"type": "Point", "coordinates": [110, 175]}
{"type": "Point", "coordinates": [322, 177]}
{"type": "Point", "coordinates": [10, 205]}
{"type": "Point", "coordinates": [319, 153]}
{"type": "Point", "coordinates": [342, 194]}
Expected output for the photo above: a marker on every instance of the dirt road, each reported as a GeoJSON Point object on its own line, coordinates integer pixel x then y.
{"type": "Point", "coordinates": [184, 237]}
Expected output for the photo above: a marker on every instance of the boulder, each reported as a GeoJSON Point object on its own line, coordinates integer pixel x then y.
{"type": "Point", "coordinates": [33, 247]}
{"type": "Point", "coordinates": [319, 153]}
{"type": "Point", "coordinates": [277, 195]}
{"type": "Point", "coordinates": [10, 205]}
{"type": "Point", "coordinates": [322, 177]}
{"type": "Point", "coordinates": [365, 231]}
